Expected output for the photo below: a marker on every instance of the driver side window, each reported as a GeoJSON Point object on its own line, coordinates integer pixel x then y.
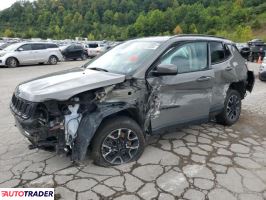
{"type": "Point", "coordinates": [26, 47]}
{"type": "Point", "coordinates": [189, 57]}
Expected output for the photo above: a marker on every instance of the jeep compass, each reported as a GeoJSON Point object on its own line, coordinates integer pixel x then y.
{"type": "Point", "coordinates": [140, 87]}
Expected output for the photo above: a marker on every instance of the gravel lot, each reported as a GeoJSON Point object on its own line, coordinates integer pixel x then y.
{"type": "Point", "coordinates": [200, 162]}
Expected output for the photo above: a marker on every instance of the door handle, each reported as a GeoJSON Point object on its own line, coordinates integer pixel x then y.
{"type": "Point", "coordinates": [204, 78]}
{"type": "Point", "coordinates": [228, 68]}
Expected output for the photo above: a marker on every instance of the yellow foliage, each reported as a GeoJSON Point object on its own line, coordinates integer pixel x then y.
{"type": "Point", "coordinates": [178, 30]}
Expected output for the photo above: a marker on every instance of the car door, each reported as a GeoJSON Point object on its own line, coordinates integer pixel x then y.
{"type": "Point", "coordinates": [78, 51]}
{"type": "Point", "coordinates": [69, 52]}
{"type": "Point", "coordinates": [224, 70]}
{"type": "Point", "coordinates": [24, 54]}
{"type": "Point", "coordinates": [184, 97]}
{"type": "Point", "coordinates": [39, 53]}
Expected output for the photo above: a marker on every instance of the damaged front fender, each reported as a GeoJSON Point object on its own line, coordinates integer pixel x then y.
{"type": "Point", "coordinates": [89, 124]}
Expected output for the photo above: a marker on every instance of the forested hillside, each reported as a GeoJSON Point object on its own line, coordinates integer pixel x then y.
{"type": "Point", "coordinates": [122, 19]}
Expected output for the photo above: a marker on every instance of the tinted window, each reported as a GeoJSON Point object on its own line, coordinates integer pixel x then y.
{"type": "Point", "coordinates": [26, 47]}
{"type": "Point", "coordinates": [93, 45]}
{"type": "Point", "coordinates": [226, 52]}
{"type": "Point", "coordinates": [38, 46]}
{"type": "Point", "coordinates": [188, 58]}
{"type": "Point", "coordinates": [50, 46]}
{"type": "Point", "coordinates": [70, 47]}
{"type": "Point", "coordinates": [78, 47]}
{"type": "Point", "coordinates": [219, 52]}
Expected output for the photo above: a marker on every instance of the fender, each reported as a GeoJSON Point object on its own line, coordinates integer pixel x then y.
{"type": "Point", "coordinates": [89, 125]}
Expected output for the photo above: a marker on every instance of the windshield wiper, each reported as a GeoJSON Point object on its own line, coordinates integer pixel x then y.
{"type": "Point", "coordinates": [99, 69]}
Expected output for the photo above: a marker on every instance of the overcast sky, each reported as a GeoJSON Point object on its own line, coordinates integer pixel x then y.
{"type": "Point", "coordinates": [7, 3]}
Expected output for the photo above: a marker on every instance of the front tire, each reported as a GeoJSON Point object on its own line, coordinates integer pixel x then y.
{"type": "Point", "coordinates": [12, 62]}
{"type": "Point", "coordinates": [83, 57]}
{"type": "Point", "coordinates": [53, 60]}
{"type": "Point", "coordinates": [232, 109]}
{"type": "Point", "coordinates": [118, 140]}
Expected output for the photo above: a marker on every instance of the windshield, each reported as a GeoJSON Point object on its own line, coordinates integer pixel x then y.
{"type": "Point", "coordinates": [12, 47]}
{"type": "Point", "coordinates": [125, 58]}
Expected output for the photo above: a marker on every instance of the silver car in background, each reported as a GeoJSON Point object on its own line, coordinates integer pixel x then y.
{"type": "Point", "coordinates": [95, 49]}
{"type": "Point", "coordinates": [25, 53]}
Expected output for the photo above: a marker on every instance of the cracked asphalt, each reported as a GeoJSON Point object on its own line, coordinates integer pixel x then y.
{"type": "Point", "coordinates": [208, 161]}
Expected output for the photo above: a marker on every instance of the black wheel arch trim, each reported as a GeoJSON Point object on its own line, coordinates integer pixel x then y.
{"type": "Point", "coordinates": [89, 125]}
{"type": "Point", "coordinates": [14, 58]}
{"type": "Point", "coordinates": [250, 81]}
{"type": "Point", "coordinates": [54, 56]}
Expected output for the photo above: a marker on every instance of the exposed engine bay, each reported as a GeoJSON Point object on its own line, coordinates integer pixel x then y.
{"type": "Point", "coordinates": [58, 124]}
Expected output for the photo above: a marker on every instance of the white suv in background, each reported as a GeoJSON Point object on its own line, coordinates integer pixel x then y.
{"type": "Point", "coordinates": [94, 49]}
{"type": "Point", "coordinates": [25, 53]}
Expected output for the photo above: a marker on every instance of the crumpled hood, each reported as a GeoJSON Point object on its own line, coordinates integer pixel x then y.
{"type": "Point", "coordinates": [62, 86]}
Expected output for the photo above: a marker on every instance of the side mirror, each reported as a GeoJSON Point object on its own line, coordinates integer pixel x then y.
{"type": "Point", "coordinates": [20, 49]}
{"type": "Point", "coordinates": [165, 70]}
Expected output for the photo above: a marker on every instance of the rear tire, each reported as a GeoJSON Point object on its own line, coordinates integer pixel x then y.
{"type": "Point", "coordinates": [53, 60]}
{"type": "Point", "coordinates": [232, 109]}
{"type": "Point", "coordinates": [117, 141]}
{"type": "Point", "coordinates": [12, 62]}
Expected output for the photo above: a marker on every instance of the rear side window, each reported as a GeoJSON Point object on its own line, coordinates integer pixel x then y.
{"type": "Point", "coordinates": [50, 46]}
{"type": "Point", "coordinates": [227, 52]}
{"type": "Point", "coordinates": [38, 46]}
{"type": "Point", "coordinates": [219, 52]}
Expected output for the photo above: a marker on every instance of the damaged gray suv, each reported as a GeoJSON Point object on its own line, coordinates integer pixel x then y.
{"type": "Point", "coordinates": [140, 87]}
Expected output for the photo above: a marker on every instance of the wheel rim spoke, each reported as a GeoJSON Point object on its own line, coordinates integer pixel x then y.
{"type": "Point", "coordinates": [233, 107]}
{"type": "Point", "coordinates": [120, 146]}
{"type": "Point", "coordinates": [117, 157]}
{"type": "Point", "coordinates": [131, 138]}
{"type": "Point", "coordinates": [107, 153]}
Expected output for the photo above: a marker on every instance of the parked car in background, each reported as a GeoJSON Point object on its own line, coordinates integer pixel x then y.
{"type": "Point", "coordinates": [138, 88]}
{"type": "Point", "coordinates": [95, 49]}
{"type": "Point", "coordinates": [74, 52]}
{"type": "Point", "coordinates": [4, 45]}
{"type": "Point", "coordinates": [92, 49]}
{"type": "Point", "coordinates": [257, 49]}
{"type": "Point", "coordinates": [244, 49]}
{"type": "Point", "coordinates": [262, 70]}
{"type": "Point", "coordinates": [25, 53]}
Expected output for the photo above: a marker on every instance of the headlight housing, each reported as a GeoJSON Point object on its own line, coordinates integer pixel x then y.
{"type": "Point", "coordinates": [2, 54]}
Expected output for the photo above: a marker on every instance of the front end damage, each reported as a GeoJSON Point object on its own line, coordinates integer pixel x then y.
{"type": "Point", "coordinates": [69, 126]}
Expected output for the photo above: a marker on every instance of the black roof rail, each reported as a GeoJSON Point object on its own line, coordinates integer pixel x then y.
{"type": "Point", "coordinates": [199, 35]}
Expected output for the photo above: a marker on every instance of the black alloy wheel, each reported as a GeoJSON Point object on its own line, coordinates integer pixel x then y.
{"type": "Point", "coordinates": [120, 146]}
{"type": "Point", "coordinates": [118, 140]}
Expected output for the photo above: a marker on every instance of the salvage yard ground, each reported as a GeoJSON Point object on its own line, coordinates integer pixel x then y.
{"type": "Point", "coordinates": [208, 161]}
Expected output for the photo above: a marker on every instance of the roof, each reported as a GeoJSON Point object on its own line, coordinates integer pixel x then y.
{"type": "Point", "coordinates": [184, 37]}
{"type": "Point", "coordinates": [203, 37]}
{"type": "Point", "coordinates": [154, 39]}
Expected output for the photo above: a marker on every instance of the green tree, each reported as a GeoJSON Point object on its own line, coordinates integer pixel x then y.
{"type": "Point", "coordinates": [8, 33]}
{"type": "Point", "coordinates": [122, 19]}
{"type": "Point", "coordinates": [91, 36]}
